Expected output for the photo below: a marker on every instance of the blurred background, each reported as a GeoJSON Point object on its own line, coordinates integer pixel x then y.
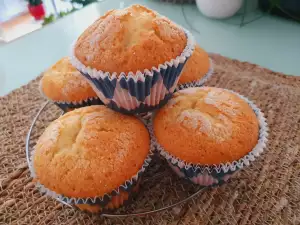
{"type": "Point", "coordinates": [34, 34]}
{"type": "Point", "coordinates": [20, 17]}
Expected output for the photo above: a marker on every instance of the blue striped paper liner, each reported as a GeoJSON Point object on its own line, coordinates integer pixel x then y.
{"type": "Point", "coordinates": [137, 92]}
{"type": "Point", "coordinates": [211, 175]}
{"type": "Point", "coordinates": [67, 106]}
{"type": "Point", "coordinates": [96, 200]}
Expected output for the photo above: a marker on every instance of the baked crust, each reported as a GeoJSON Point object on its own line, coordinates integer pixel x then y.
{"type": "Point", "coordinates": [130, 39]}
{"type": "Point", "coordinates": [64, 83]}
{"type": "Point", "coordinates": [90, 152]}
{"type": "Point", "coordinates": [196, 67]}
{"type": "Point", "coordinates": [206, 126]}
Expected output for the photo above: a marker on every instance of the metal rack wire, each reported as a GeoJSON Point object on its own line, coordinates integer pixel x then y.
{"type": "Point", "coordinates": [140, 212]}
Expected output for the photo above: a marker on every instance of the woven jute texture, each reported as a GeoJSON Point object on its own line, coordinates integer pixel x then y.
{"type": "Point", "coordinates": [266, 192]}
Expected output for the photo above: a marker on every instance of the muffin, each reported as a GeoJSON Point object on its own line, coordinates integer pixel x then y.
{"type": "Point", "coordinates": [197, 70]}
{"type": "Point", "coordinates": [92, 157]}
{"type": "Point", "coordinates": [66, 87]}
{"type": "Point", "coordinates": [134, 57]}
{"type": "Point", "coordinates": [206, 134]}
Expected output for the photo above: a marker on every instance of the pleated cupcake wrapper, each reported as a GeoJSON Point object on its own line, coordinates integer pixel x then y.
{"type": "Point", "coordinates": [100, 200]}
{"type": "Point", "coordinates": [141, 91]}
{"type": "Point", "coordinates": [208, 175]}
{"type": "Point", "coordinates": [200, 82]}
{"type": "Point", "coordinates": [115, 205]}
{"type": "Point", "coordinates": [202, 178]}
{"type": "Point", "coordinates": [65, 106]}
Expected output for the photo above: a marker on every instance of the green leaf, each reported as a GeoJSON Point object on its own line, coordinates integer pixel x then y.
{"type": "Point", "coordinates": [48, 19]}
{"type": "Point", "coordinates": [62, 14]}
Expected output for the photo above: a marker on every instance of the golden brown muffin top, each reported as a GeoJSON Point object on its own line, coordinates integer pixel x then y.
{"type": "Point", "coordinates": [130, 39]}
{"type": "Point", "coordinates": [90, 151]}
{"type": "Point", "coordinates": [196, 67]}
{"type": "Point", "coordinates": [62, 82]}
{"type": "Point", "coordinates": [206, 126]}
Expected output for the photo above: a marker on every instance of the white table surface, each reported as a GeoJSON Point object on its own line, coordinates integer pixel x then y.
{"type": "Point", "coordinates": [270, 42]}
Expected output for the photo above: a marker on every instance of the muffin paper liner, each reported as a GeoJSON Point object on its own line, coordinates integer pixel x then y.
{"type": "Point", "coordinates": [121, 200]}
{"type": "Point", "coordinates": [200, 82]}
{"type": "Point", "coordinates": [66, 106]}
{"type": "Point", "coordinates": [141, 91]}
{"type": "Point", "coordinates": [99, 200]}
{"type": "Point", "coordinates": [210, 175]}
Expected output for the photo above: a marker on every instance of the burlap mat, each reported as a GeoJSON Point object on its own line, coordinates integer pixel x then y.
{"type": "Point", "coordinates": [267, 192]}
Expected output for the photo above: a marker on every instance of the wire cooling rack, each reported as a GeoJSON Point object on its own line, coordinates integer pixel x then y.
{"type": "Point", "coordinates": [160, 188]}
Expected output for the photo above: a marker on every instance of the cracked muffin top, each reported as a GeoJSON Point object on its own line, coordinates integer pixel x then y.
{"type": "Point", "coordinates": [196, 67]}
{"type": "Point", "coordinates": [90, 151]}
{"type": "Point", "coordinates": [64, 83]}
{"type": "Point", "coordinates": [130, 39]}
{"type": "Point", "coordinates": [206, 126]}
